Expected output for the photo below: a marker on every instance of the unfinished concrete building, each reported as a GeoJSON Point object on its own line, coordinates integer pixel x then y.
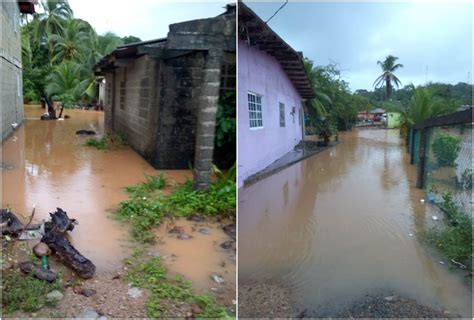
{"type": "Point", "coordinates": [163, 93]}
{"type": "Point", "coordinates": [10, 64]}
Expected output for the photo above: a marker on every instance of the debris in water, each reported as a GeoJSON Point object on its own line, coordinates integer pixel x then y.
{"type": "Point", "coordinates": [184, 236]}
{"type": "Point", "coordinates": [227, 244]}
{"type": "Point", "coordinates": [176, 229]}
{"type": "Point", "coordinates": [410, 234]}
{"type": "Point", "coordinates": [88, 132]}
{"type": "Point", "coordinates": [217, 278]}
{"type": "Point", "coordinates": [204, 231]}
{"type": "Point", "coordinates": [196, 218]}
{"type": "Point", "coordinates": [459, 264]}
{"type": "Point", "coordinates": [422, 200]}
{"type": "Point", "coordinates": [442, 262]}
{"type": "Point", "coordinates": [435, 218]}
{"type": "Point", "coordinates": [14, 125]}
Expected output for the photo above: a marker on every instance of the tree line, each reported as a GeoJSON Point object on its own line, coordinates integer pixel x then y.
{"type": "Point", "coordinates": [335, 107]}
{"type": "Point", "coordinates": [58, 53]}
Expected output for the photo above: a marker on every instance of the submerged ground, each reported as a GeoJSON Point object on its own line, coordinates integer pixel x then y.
{"type": "Point", "coordinates": [342, 227]}
{"type": "Point", "coordinates": [46, 163]}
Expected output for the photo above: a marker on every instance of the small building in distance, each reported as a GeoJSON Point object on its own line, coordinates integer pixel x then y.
{"type": "Point", "coordinates": [272, 86]}
{"type": "Point", "coordinates": [155, 90]}
{"type": "Point", "coordinates": [10, 63]}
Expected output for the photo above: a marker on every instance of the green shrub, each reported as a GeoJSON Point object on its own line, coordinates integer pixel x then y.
{"type": "Point", "coordinates": [109, 141]}
{"type": "Point", "coordinates": [151, 274]}
{"type": "Point", "coordinates": [446, 148]}
{"type": "Point", "coordinates": [147, 207]}
{"type": "Point", "coordinates": [455, 239]}
{"type": "Point", "coordinates": [31, 96]}
{"type": "Point", "coordinates": [26, 293]}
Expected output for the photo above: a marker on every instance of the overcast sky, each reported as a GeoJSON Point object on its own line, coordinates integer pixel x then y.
{"type": "Point", "coordinates": [146, 19]}
{"type": "Point", "coordinates": [356, 35]}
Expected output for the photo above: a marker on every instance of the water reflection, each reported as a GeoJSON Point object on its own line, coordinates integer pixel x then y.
{"type": "Point", "coordinates": [53, 168]}
{"type": "Point", "coordinates": [344, 228]}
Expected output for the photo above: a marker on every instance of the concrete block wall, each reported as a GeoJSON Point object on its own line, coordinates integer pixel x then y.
{"type": "Point", "coordinates": [134, 108]}
{"type": "Point", "coordinates": [180, 81]}
{"type": "Point", "coordinates": [10, 68]}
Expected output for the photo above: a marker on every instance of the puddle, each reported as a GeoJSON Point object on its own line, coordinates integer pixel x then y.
{"type": "Point", "coordinates": [338, 225]}
{"type": "Point", "coordinates": [52, 168]}
{"type": "Point", "coordinates": [201, 257]}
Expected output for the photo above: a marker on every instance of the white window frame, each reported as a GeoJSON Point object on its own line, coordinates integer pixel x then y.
{"type": "Point", "coordinates": [254, 104]}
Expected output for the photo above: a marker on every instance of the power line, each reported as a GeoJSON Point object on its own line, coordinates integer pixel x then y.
{"type": "Point", "coordinates": [281, 7]}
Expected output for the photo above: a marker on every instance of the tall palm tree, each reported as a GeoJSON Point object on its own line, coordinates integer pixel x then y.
{"type": "Point", "coordinates": [71, 43]}
{"type": "Point", "coordinates": [388, 77]}
{"type": "Point", "coordinates": [55, 12]}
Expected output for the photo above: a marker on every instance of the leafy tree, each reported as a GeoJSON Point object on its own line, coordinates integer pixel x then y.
{"type": "Point", "coordinates": [318, 105]}
{"type": "Point", "coordinates": [71, 43]}
{"type": "Point", "coordinates": [425, 104]}
{"type": "Point", "coordinates": [388, 77]}
{"type": "Point", "coordinates": [51, 20]}
{"type": "Point", "coordinates": [130, 39]}
{"type": "Point", "coordinates": [64, 82]}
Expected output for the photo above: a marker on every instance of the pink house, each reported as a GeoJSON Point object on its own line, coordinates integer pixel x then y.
{"type": "Point", "coordinates": [272, 86]}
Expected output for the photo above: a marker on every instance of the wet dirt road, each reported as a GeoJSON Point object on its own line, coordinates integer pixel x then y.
{"type": "Point", "coordinates": [342, 224]}
{"type": "Point", "coordinates": [49, 166]}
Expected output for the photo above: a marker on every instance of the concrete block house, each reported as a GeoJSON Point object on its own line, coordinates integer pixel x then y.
{"type": "Point", "coordinates": [10, 64]}
{"type": "Point", "coordinates": [272, 86]}
{"type": "Point", "coordinates": [163, 93]}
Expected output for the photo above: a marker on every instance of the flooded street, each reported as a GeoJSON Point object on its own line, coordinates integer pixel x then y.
{"type": "Point", "coordinates": [344, 223]}
{"type": "Point", "coordinates": [49, 166]}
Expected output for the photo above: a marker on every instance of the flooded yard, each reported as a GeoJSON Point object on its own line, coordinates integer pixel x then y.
{"type": "Point", "coordinates": [345, 223]}
{"type": "Point", "coordinates": [46, 163]}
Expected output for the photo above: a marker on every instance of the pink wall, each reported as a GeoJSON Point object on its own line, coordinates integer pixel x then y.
{"type": "Point", "coordinates": [260, 73]}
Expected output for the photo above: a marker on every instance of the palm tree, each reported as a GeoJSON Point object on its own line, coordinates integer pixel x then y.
{"type": "Point", "coordinates": [71, 43]}
{"type": "Point", "coordinates": [425, 104]}
{"type": "Point", "coordinates": [316, 105]}
{"type": "Point", "coordinates": [51, 20]}
{"type": "Point", "coordinates": [388, 77]}
{"type": "Point", "coordinates": [65, 82]}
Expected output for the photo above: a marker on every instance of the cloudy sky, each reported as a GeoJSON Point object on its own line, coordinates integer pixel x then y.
{"type": "Point", "coordinates": [146, 19]}
{"type": "Point", "coordinates": [437, 36]}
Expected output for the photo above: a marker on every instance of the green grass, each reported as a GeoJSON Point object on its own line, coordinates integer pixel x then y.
{"type": "Point", "coordinates": [453, 239]}
{"type": "Point", "coordinates": [26, 293]}
{"type": "Point", "coordinates": [147, 206]}
{"type": "Point", "coordinates": [164, 291]}
{"type": "Point", "coordinates": [108, 141]}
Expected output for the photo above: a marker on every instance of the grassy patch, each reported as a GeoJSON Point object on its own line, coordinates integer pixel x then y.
{"type": "Point", "coordinates": [147, 207]}
{"type": "Point", "coordinates": [455, 238]}
{"type": "Point", "coordinates": [109, 141]}
{"type": "Point", "coordinates": [26, 293]}
{"type": "Point", "coordinates": [167, 292]}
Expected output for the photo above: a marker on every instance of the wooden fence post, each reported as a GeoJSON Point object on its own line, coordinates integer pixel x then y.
{"type": "Point", "coordinates": [420, 173]}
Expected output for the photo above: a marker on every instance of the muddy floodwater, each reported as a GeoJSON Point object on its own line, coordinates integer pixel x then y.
{"type": "Point", "coordinates": [46, 163]}
{"type": "Point", "coordinates": [343, 223]}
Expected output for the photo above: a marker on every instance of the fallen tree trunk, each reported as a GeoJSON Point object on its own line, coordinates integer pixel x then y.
{"type": "Point", "coordinates": [60, 245]}
{"type": "Point", "coordinates": [55, 238]}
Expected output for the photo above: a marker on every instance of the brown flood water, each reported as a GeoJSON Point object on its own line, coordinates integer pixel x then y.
{"type": "Point", "coordinates": [337, 225]}
{"type": "Point", "coordinates": [200, 257]}
{"type": "Point", "coordinates": [52, 168]}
